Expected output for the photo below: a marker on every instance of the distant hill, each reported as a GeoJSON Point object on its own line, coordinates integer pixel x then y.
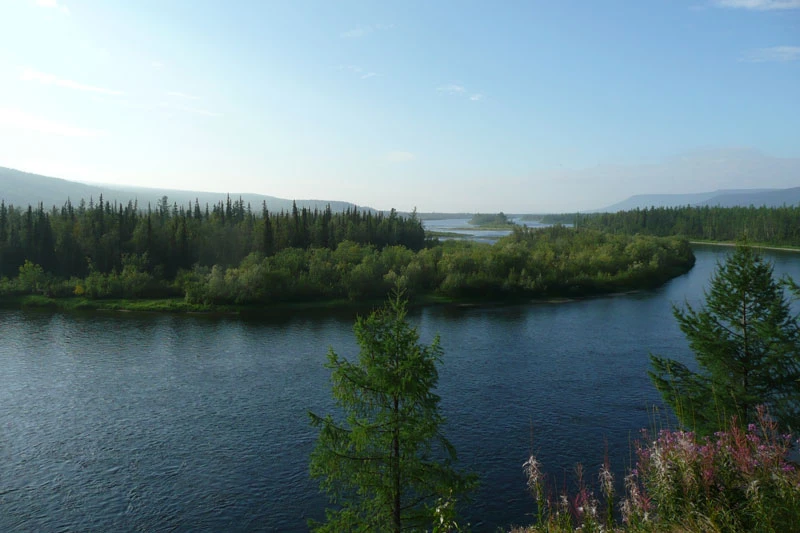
{"type": "Point", "coordinates": [769, 198]}
{"type": "Point", "coordinates": [720, 198]}
{"type": "Point", "coordinates": [23, 189]}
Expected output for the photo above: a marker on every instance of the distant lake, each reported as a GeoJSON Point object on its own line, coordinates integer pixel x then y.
{"type": "Point", "coordinates": [470, 232]}
{"type": "Point", "coordinates": [126, 422]}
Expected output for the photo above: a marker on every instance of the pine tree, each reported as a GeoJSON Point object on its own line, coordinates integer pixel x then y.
{"type": "Point", "coordinates": [747, 345]}
{"type": "Point", "coordinates": [386, 464]}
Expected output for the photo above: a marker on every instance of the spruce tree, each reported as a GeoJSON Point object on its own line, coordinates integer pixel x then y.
{"type": "Point", "coordinates": [747, 345]}
{"type": "Point", "coordinates": [385, 464]}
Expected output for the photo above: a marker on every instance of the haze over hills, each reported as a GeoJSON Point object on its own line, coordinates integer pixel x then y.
{"type": "Point", "coordinates": [720, 198]}
{"type": "Point", "coordinates": [23, 189]}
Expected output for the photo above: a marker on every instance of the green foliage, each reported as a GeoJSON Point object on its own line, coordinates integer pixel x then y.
{"type": "Point", "coordinates": [386, 465]}
{"type": "Point", "coordinates": [527, 264]}
{"type": "Point", "coordinates": [227, 255]}
{"type": "Point", "coordinates": [747, 345]}
{"type": "Point", "coordinates": [735, 480]}
{"type": "Point", "coordinates": [779, 226]}
{"type": "Point", "coordinates": [173, 237]}
{"type": "Point", "coordinates": [32, 278]}
{"type": "Point", "coordinates": [498, 220]}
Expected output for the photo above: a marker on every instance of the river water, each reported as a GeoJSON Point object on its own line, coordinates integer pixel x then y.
{"type": "Point", "coordinates": [124, 422]}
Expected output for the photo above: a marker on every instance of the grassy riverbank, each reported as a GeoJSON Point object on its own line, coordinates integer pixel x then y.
{"type": "Point", "coordinates": [181, 306]}
{"type": "Point", "coordinates": [760, 246]}
{"type": "Point", "coordinates": [492, 227]}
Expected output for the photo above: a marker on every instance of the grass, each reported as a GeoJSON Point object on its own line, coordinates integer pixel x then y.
{"type": "Point", "coordinates": [174, 305]}
{"type": "Point", "coordinates": [762, 246]}
{"type": "Point", "coordinates": [492, 226]}
{"type": "Point", "coordinates": [448, 234]}
{"type": "Point", "coordinates": [179, 305]}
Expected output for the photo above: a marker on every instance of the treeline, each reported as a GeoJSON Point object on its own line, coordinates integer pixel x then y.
{"type": "Point", "coordinates": [767, 225]}
{"type": "Point", "coordinates": [548, 262]}
{"type": "Point", "coordinates": [104, 238]}
{"type": "Point", "coordinates": [483, 219]}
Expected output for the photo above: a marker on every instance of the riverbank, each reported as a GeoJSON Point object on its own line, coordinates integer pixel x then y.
{"type": "Point", "coordinates": [752, 245]}
{"type": "Point", "coordinates": [179, 305]}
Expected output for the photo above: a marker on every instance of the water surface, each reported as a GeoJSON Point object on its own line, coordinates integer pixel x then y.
{"type": "Point", "coordinates": [123, 422]}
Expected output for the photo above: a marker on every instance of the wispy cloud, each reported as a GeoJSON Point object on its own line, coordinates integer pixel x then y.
{"type": "Point", "coordinates": [362, 31]}
{"type": "Point", "coordinates": [53, 4]}
{"type": "Point", "coordinates": [355, 69]}
{"type": "Point", "coordinates": [183, 96]}
{"type": "Point", "coordinates": [451, 89]}
{"type": "Point", "coordinates": [454, 89]}
{"type": "Point", "coordinates": [157, 64]}
{"type": "Point", "coordinates": [400, 157]}
{"type": "Point", "coordinates": [351, 68]}
{"type": "Point", "coordinates": [30, 74]}
{"type": "Point", "coordinates": [758, 5]}
{"type": "Point", "coordinates": [774, 54]}
{"type": "Point", "coordinates": [14, 118]}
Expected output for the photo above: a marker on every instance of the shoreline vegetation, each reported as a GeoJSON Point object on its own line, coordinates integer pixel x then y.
{"type": "Point", "coordinates": [755, 245]}
{"type": "Point", "coordinates": [230, 261]}
{"type": "Point", "coordinates": [768, 226]}
{"type": "Point", "coordinates": [179, 305]}
{"type": "Point", "coordinates": [499, 221]}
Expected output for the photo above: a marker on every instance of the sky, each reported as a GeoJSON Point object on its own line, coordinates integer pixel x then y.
{"type": "Point", "coordinates": [530, 106]}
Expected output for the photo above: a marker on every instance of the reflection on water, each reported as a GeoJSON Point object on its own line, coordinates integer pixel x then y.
{"type": "Point", "coordinates": [153, 422]}
{"type": "Point", "coordinates": [461, 226]}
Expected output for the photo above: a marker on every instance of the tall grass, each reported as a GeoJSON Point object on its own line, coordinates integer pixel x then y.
{"type": "Point", "coordinates": [738, 480]}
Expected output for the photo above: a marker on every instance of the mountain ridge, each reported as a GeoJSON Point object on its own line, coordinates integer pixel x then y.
{"type": "Point", "coordinates": [718, 198]}
{"type": "Point", "coordinates": [20, 188]}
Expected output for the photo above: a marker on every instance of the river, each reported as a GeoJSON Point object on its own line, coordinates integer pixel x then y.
{"type": "Point", "coordinates": [126, 422]}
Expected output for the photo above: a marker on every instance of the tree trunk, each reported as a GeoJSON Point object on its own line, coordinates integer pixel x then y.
{"type": "Point", "coordinates": [396, 468]}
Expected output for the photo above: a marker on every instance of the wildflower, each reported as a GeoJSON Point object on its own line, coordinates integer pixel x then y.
{"type": "Point", "coordinates": [532, 469]}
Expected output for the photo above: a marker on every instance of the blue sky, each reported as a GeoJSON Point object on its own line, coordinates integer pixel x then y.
{"type": "Point", "coordinates": [448, 106]}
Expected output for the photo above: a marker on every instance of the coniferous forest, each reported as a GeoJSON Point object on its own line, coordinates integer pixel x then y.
{"type": "Point", "coordinates": [777, 226]}
{"type": "Point", "coordinates": [231, 254]}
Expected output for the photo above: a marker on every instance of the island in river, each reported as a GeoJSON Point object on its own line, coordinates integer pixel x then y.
{"type": "Point", "coordinates": [541, 263]}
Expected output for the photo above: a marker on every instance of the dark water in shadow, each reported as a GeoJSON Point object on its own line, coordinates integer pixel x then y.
{"type": "Point", "coordinates": [145, 422]}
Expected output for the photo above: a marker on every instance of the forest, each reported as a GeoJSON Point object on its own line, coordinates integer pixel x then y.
{"type": "Point", "coordinates": [230, 254]}
{"type": "Point", "coordinates": [499, 220]}
{"type": "Point", "coordinates": [777, 226]}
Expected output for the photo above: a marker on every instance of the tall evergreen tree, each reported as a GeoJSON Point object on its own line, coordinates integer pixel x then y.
{"type": "Point", "coordinates": [747, 345]}
{"type": "Point", "coordinates": [387, 463]}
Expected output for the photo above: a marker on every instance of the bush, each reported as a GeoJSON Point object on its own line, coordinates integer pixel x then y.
{"type": "Point", "coordinates": [738, 480]}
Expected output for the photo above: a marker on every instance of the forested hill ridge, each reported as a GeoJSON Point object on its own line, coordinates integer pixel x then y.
{"type": "Point", "coordinates": [22, 188]}
{"type": "Point", "coordinates": [719, 198]}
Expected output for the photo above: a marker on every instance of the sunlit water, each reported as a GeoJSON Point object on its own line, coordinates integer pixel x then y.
{"type": "Point", "coordinates": [120, 422]}
{"type": "Point", "coordinates": [462, 227]}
